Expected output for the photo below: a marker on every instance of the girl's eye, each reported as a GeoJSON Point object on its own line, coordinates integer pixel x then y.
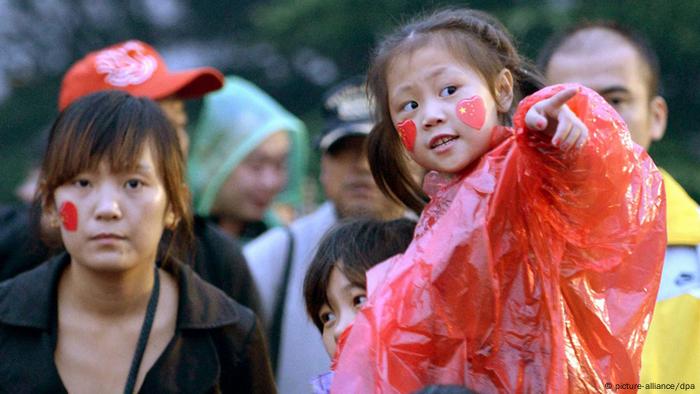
{"type": "Point", "coordinates": [448, 91]}
{"type": "Point", "coordinates": [410, 106]}
{"type": "Point", "coordinates": [359, 300]}
{"type": "Point", "coordinates": [327, 318]}
{"type": "Point", "coordinates": [82, 183]}
{"type": "Point", "coordinates": [133, 184]}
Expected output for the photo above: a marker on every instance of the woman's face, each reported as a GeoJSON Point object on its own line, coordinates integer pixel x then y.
{"type": "Point", "coordinates": [114, 221]}
{"type": "Point", "coordinates": [344, 301]}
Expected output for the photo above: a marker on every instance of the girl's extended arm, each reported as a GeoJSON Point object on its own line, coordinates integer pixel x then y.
{"type": "Point", "coordinates": [597, 196]}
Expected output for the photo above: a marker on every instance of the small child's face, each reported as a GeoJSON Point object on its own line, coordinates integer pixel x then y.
{"type": "Point", "coordinates": [442, 109]}
{"type": "Point", "coordinates": [344, 301]}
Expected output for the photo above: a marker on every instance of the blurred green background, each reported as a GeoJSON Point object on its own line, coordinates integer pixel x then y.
{"type": "Point", "coordinates": [295, 49]}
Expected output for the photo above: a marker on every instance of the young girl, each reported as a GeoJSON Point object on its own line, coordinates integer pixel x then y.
{"type": "Point", "coordinates": [535, 265]}
{"type": "Point", "coordinates": [113, 313]}
{"type": "Point", "coordinates": [334, 285]}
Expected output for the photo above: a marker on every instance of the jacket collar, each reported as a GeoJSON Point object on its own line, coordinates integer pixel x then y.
{"type": "Point", "coordinates": [29, 299]}
{"type": "Point", "coordinates": [200, 305]}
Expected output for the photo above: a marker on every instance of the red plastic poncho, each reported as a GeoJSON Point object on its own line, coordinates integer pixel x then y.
{"type": "Point", "coordinates": [537, 271]}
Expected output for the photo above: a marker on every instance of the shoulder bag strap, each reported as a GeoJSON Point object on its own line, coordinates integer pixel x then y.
{"type": "Point", "coordinates": [276, 326]}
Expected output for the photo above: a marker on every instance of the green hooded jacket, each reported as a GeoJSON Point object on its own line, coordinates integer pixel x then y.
{"type": "Point", "coordinates": [233, 122]}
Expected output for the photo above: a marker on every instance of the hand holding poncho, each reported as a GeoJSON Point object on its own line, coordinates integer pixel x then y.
{"type": "Point", "coordinates": [534, 271]}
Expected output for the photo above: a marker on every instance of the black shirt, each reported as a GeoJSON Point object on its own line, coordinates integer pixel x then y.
{"type": "Point", "coordinates": [219, 260]}
{"type": "Point", "coordinates": [218, 345]}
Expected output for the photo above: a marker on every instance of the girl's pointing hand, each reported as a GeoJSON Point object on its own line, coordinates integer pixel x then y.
{"type": "Point", "coordinates": [553, 117]}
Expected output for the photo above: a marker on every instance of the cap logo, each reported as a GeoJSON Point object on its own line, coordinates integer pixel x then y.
{"type": "Point", "coordinates": [126, 65]}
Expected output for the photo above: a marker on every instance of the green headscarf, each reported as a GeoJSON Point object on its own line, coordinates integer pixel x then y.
{"type": "Point", "coordinates": [233, 122]}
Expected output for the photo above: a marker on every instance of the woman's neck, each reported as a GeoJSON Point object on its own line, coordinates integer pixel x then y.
{"type": "Point", "coordinates": [107, 293]}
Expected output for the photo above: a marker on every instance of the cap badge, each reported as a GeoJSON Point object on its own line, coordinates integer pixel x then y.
{"type": "Point", "coordinates": [126, 65]}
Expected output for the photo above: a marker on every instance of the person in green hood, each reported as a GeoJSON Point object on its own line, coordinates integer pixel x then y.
{"type": "Point", "coordinates": [248, 153]}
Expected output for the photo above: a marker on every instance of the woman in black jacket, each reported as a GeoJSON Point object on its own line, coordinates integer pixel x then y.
{"type": "Point", "coordinates": [116, 313]}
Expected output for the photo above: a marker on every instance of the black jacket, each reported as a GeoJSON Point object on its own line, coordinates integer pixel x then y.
{"type": "Point", "coordinates": [218, 345]}
{"type": "Point", "coordinates": [20, 249]}
{"type": "Point", "coordinates": [218, 259]}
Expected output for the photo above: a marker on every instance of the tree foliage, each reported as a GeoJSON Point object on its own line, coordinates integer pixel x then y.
{"type": "Point", "coordinates": [295, 49]}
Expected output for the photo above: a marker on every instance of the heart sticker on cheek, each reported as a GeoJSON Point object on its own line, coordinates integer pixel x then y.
{"type": "Point", "coordinates": [407, 132]}
{"type": "Point", "coordinates": [69, 216]}
{"type": "Point", "coordinates": [472, 112]}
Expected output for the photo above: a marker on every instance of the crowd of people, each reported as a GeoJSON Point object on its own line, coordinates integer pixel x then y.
{"type": "Point", "coordinates": [489, 225]}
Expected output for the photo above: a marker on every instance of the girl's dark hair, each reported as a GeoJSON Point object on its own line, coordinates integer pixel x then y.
{"type": "Point", "coordinates": [114, 127]}
{"type": "Point", "coordinates": [354, 246]}
{"type": "Point", "coordinates": [472, 36]}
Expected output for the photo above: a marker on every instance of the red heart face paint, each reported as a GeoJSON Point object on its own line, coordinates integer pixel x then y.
{"type": "Point", "coordinates": [69, 216]}
{"type": "Point", "coordinates": [472, 112]}
{"type": "Point", "coordinates": [407, 132]}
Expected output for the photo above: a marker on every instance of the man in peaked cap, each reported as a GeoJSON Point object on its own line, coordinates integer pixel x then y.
{"type": "Point", "coordinates": [279, 258]}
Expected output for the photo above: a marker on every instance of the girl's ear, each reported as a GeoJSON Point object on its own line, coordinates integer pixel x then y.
{"type": "Point", "coordinates": [504, 90]}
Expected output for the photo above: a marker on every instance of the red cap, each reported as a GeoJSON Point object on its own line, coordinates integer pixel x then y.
{"type": "Point", "coordinates": [137, 68]}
